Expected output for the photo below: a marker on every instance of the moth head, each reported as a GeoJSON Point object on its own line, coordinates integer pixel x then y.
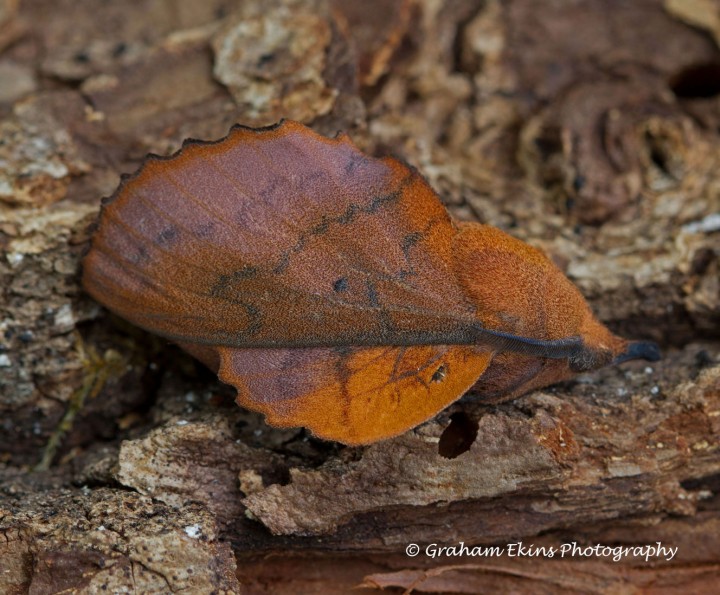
{"type": "Point", "coordinates": [601, 347]}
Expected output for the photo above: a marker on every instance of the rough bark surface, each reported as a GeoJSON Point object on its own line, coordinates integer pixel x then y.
{"type": "Point", "coordinates": [590, 129]}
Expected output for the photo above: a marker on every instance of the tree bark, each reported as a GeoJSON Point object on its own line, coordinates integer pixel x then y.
{"type": "Point", "coordinates": [589, 130]}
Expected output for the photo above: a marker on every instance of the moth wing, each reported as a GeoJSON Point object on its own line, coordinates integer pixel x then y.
{"type": "Point", "coordinates": [279, 238]}
{"type": "Point", "coordinates": [353, 395]}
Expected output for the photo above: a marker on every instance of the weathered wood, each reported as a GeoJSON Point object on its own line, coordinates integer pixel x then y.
{"type": "Point", "coordinates": [589, 133]}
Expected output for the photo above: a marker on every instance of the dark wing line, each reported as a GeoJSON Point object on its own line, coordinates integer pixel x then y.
{"type": "Point", "coordinates": [438, 315]}
{"type": "Point", "coordinates": [388, 277]}
{"type": "Point", "coordinates": [412, 176]}
{"type": "Point", "coordinates": [338, 184]}
{"type": "Point", "coordinates": [340, 190]}
{"type": "Point", "coordinates": [290, 225]}
{"type": "Point", "coordinates": [324, 297]}
{"type": "Point", "coordinates": [242, 190]}
{"type": "Point", "coordinates": [552, 349]}
{"type": "Point", "coordinates": [474, 333]}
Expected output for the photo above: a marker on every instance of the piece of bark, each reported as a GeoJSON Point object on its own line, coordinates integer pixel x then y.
{"type": "Point", "coordinates": [161, 99]}
{"type": "Point", "coordinates": [16, 81]}
{"type": "Point", "coordinates": [272, 60]}
{"type": "Point", "coordinates": [89, 541]}
{"type": "Point", "coordinates": [377, 29]}
{"type": "Point", "coordinates": [704, 14]}
{"type": "Point", "coordinates": [39, 158]}
{"type": "Point", "coordinates": [86, 45]}
{"type": "Point", "coordinates": [537, 54]}
{"type": "Point", "coordinates": [196, 461]}
{"type": "Point", "coordinates": [11, 25]}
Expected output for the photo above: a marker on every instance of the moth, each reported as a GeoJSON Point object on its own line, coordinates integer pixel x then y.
{"type": "Point", "coordinates": [332, 289]}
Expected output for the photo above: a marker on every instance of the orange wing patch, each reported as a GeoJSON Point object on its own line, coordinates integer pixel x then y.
{"type": "Point", "coordinates": [354, 395]}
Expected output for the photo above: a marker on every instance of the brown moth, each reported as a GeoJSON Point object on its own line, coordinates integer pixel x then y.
{"type": "Point", "coordinates": [333, 289]}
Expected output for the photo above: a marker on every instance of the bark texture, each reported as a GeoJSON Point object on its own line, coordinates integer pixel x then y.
{"type": "Point", "coordinates": [590, 129]}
